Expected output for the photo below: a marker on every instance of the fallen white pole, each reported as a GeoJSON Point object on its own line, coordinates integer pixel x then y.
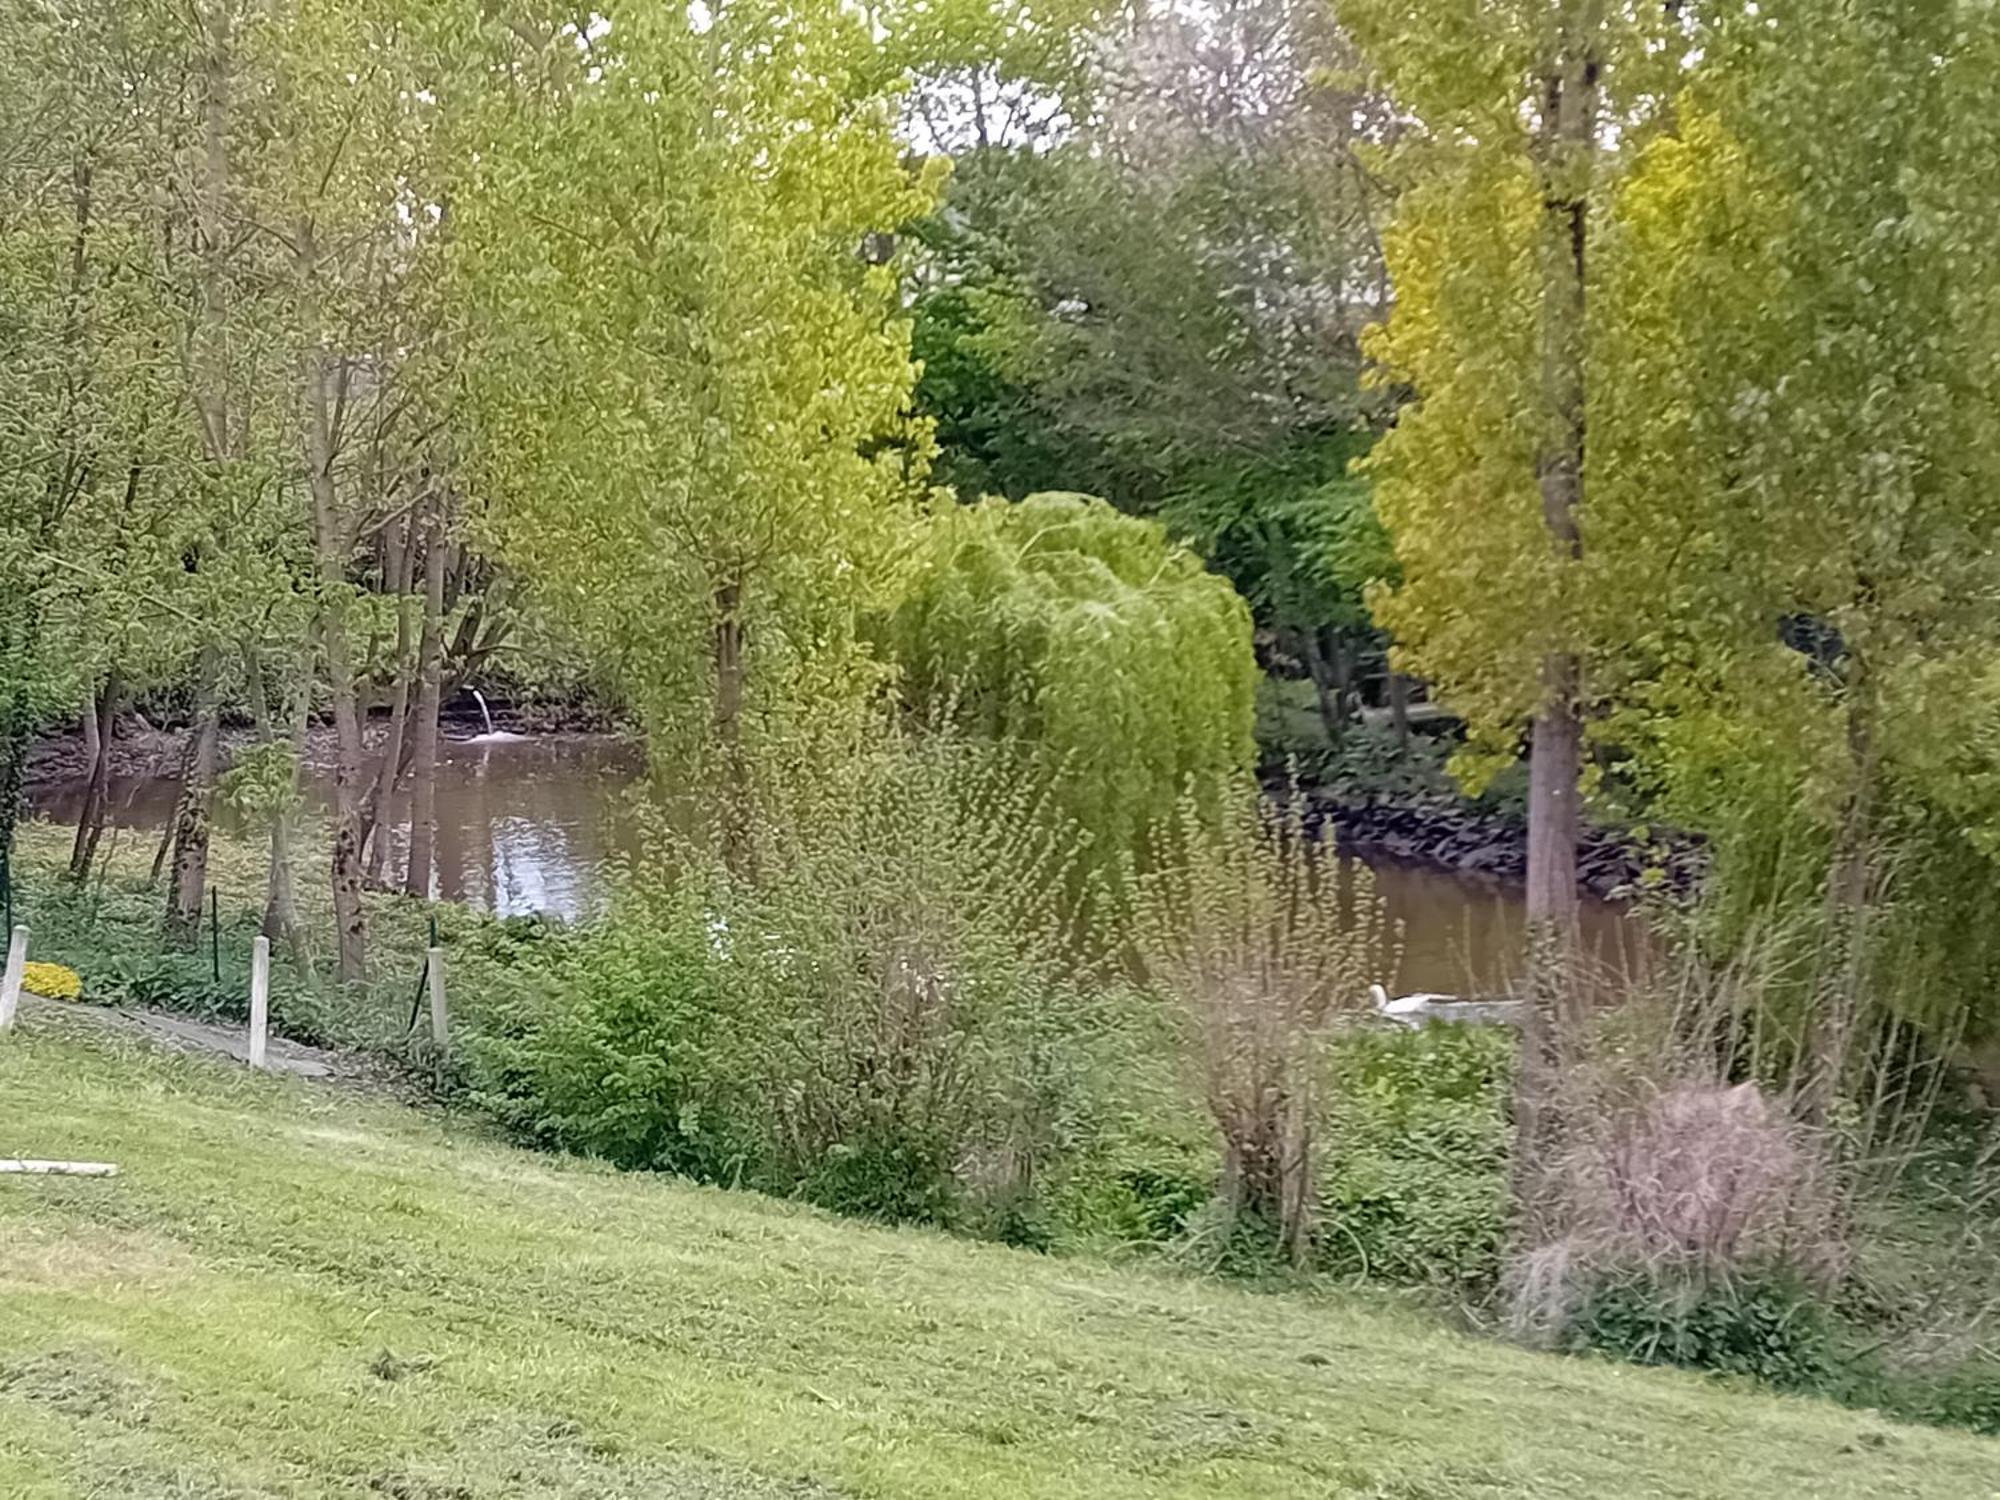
{"type": "Point", "coordinates": [260, 998]}
{"type": "Point", "coordinates": [10, 987]}
{"type": "Point", "coordinates": [61, 1168]}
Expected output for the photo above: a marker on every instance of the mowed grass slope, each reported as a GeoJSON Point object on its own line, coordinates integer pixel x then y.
{"type": "Point", "coordinates": [297, 1291]}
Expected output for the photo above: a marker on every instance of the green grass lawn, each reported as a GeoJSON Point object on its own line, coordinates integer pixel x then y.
{"type": "Point", "coordinates": [297, 1291]}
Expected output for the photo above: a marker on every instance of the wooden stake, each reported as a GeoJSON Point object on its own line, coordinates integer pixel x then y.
{"type": "Point", "coordinates": [260, 998]}
{"type": "Point", "coordinates": [434, 967]}
{"type": "Point", "coordinates": [10, 987]}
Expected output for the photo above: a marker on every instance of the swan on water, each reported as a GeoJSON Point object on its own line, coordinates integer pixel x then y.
{"type": "Point", "coordinates": [1414, 1010]}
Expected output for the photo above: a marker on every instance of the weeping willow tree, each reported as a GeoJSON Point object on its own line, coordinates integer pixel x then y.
{"type": "Point", "coordinates": [1105, 650]}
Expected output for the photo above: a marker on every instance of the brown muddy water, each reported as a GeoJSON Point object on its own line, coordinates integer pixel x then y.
{"type": "Point", "coordinates": [530, 824]}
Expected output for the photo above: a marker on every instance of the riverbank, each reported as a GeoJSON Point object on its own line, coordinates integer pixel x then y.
{"type": "Point", "coordinates": [1467, 840]}
{"type": "Point", "coordinates": [294, 1289]}
{"type": "Point", "coordinates": [1391, 797]}
{"type": "Point", "coordinates": [142, 749]}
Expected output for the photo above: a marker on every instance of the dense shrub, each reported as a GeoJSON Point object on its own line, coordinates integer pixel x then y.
{"type": "Point", "coordinates": [622, 1050]}
{"type": "Point", "coordinates": [1415, 1189]}
{"type": "Point", "coordinates": [1967, 1396]}
{"type": "Point", "coordinates": [1679, 1190]}
{"type": "Point", "coordinates": [867, 1014]}
{"type": "Point", "coordinates": [1141, 1195]}
{"type": "Point", "coordinates": [1767, 1326]}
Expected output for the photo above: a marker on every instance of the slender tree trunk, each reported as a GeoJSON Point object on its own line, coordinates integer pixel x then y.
{"type": "Point", "coordinates": [397, 569]}
{"type": "Point", "coordinates": [1827, 1044]}
{"type": "Point", "coordinates": [102, 718]}
{"type": "Point", "coordinates": [1397, 690]}
{"type": "Point", "coordinates": [728, 725]}
{"type": "Point", "coordinates": [331, 546]}
{"type": "Point", "coordinates": [166, 842]}
{"type": "Point", "coordinates": [19, 646]}
{"type": "Point", "coordinates": [430, 675]}
{"type": "Point", "coordinates": [189, 879]}
{"type": "Point", "coordinates": [1566, 146]}
{"type": "Point", "coordinates": [281, 916]}
{"type": "Point", "coordinates": [93, 745]}
{"type": "Point", "coordinates": [349, 919]}
{"type": "Point", "coordinates": [1326, 686]}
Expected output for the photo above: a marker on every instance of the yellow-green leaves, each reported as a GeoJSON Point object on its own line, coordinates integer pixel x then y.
{"type": "Point", "coordinates": [1121, 664]}
{"type": "Point", "coordinates": [687, 381]}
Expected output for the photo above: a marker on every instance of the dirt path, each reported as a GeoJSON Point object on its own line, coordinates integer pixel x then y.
{"type": "Point", "coordinates": [182, 1034]}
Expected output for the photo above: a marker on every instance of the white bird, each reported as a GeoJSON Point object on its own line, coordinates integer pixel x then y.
{"type": "Point", "coordinates": [1414, 1010]}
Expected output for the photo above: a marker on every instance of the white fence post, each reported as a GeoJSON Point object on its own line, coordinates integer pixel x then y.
{"type": "Point", "coordinates": [10, 987]}
{"type": "Point", "coordinates": [434, 970]}
{"type": "Point", "coordinates": [260, 998]}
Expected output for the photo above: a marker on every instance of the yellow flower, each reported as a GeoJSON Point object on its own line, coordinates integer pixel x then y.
{"type": "Point", "coordinates": [53, 981]}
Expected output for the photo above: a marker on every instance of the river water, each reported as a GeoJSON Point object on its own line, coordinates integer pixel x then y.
{"type": "Point", "coordinates": [529, 824]}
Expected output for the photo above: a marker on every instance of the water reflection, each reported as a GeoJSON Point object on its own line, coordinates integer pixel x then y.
{"type": "Point", "coordinates": [529, 824]}
{"type": "Point", "coordinates": [524, 823]}
{"type": "Point", "coordinates": [1465, 935]}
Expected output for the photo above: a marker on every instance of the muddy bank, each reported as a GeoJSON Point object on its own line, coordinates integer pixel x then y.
{"type": "Point", "coordinates": [139, 749]}
{"type": "Point", "coordinates": [1469, 842]}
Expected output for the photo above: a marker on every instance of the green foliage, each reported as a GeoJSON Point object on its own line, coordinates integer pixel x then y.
{"type": "Point", "coordinates": [1415, 1185]}
{"type": "Point", "coordinates": [1967, 1396]}
{"type": "Point", "coordinates": [685, 382]}
{"type": "Point", "coordinates": [1764, 1327]}
{"type": "Point", "coordinates": [619, 1050]}
{"type": "Point", "coordinates": [1295, 533]}
{"type": "Point", "coordinates": [872, 1019]}
{"type": "Point", "coordinates": [262, 781]}
{"type": "Point", "coordinates": [1119, 665]}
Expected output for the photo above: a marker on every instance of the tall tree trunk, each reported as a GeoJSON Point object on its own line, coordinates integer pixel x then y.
{"type": "Point", "coordinates": [102, 716]}
{"type": "Point", "coordinates": [728, 725]}
{"type": "Point", "coordinates": [1566, 146]}
{"type": "Point", "coordinates": [430, 678]}
{"type": "Point", "coordinates": [397, 570]}
{"type": "Point", "coordinates": [189, 876]}
{"type": "Point", "coordinates": [281, 915]}
{"type": "Point", "coordinates": [1397, 690]}
{"type": "Point", "coordinates": [211, 362]}
{"type": "Point", "coordinates": [1327, 691]}
{"type": "Point", "coordinates": [331, 545]}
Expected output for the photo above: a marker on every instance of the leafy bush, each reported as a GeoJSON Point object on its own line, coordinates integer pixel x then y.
{"type": "Point", "coordinates": [621, 1050]}
{"type": "Point", "coordinates": [867, 1015]}
{"type": "Point", "coordinates": [1143, 1196]}
{"type": "Point", "coordinates": [1415, 1189]}
{"type": "Point", "coordinates": [1767, 1326]}
{"type": "Point", "coordinates": [899, 946]}
{"type": "Point", "coordinates": [166, 980]}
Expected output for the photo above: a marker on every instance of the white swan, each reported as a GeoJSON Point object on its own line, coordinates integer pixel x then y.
{"type": "Point", "coordinates": [1415, 1010]}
